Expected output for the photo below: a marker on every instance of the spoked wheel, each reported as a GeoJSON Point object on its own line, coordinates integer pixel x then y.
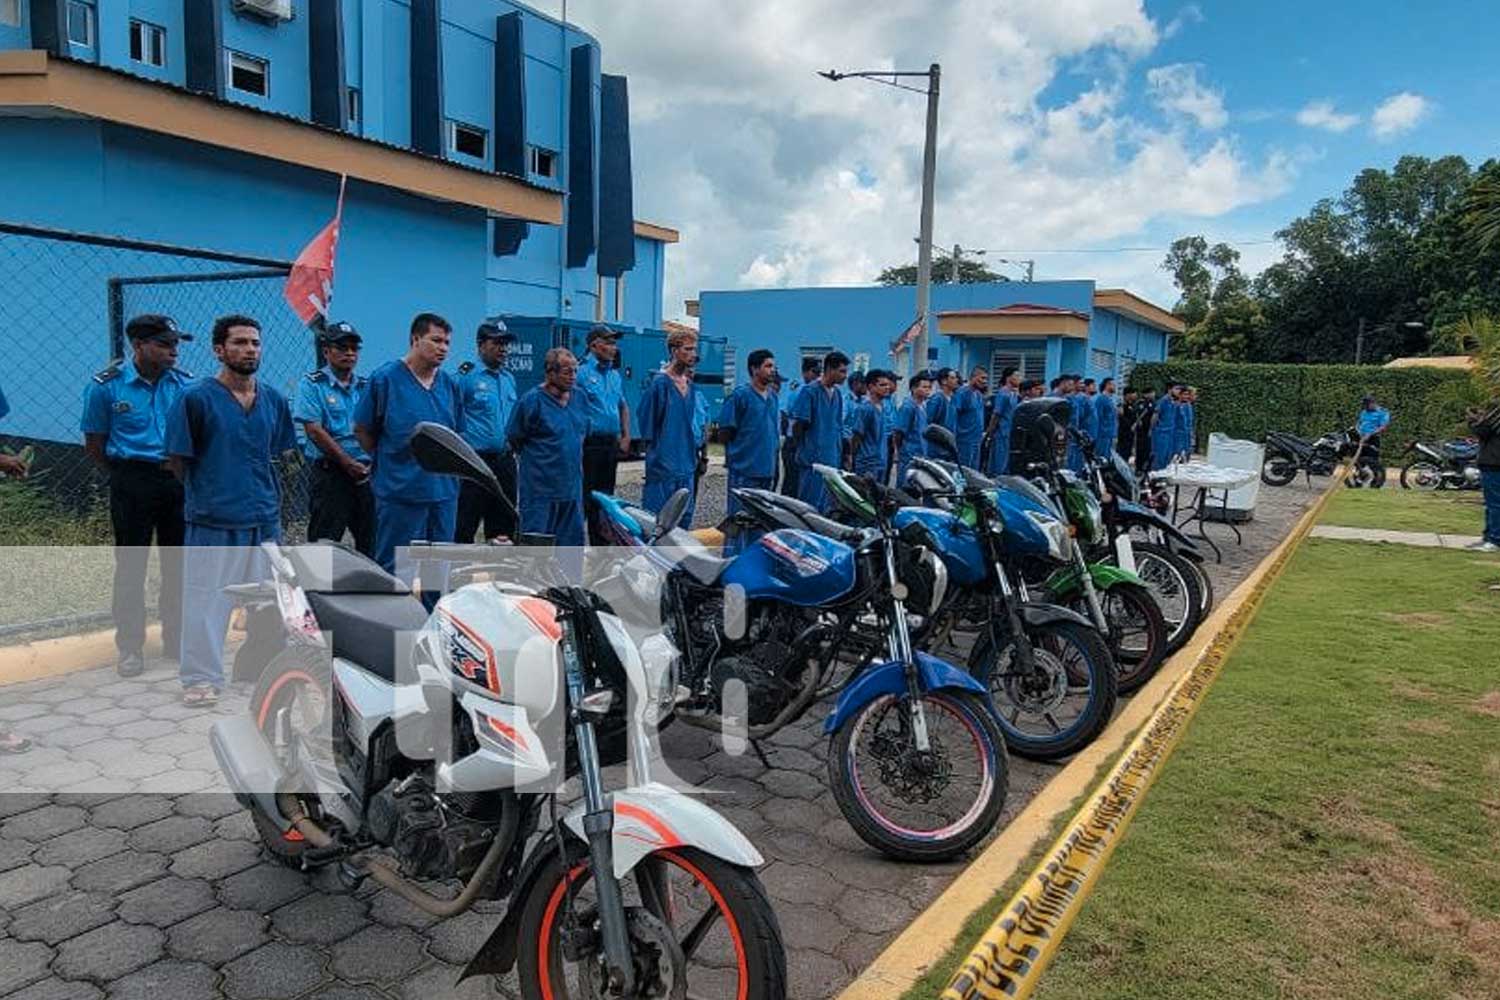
{"type": "Point", "coordinates": [1421, 475]}
{"type": "Point", "coordinates": [290, 706]}
{"type": "Point", "coordinates": [1174, 586]}
{"type": "Point", "coordinates": [1061, 705]}
{"type": "Point", "coordinates": [1277, 470]}
{"type": "Point", "coordinates": [1137, 632]}
{"type": "Point", "coordinates": [920, 805]}
{"type": "Point", "coordinates": [700, 928]}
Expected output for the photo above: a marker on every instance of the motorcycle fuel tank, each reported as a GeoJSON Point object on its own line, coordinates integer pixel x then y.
{"type": "Point", "coordinates": [956, 543]}
{"type": "Point", "coordinates": [795, 566]}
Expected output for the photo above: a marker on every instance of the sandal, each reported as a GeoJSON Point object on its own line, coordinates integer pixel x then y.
{"type": "Point", "coordinates": [13, 743]}
{"type": "Point", "coordinates": [200, 696]}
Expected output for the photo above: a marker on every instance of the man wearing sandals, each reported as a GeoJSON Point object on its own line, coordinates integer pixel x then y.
{"type": "Point", "coordinates": [14, 467]}
{"type": "Point", "coordinates": [223, 437]}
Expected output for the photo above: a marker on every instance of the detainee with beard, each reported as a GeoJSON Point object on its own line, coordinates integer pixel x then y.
{"type": "Point", "coordinates": [546, 431]}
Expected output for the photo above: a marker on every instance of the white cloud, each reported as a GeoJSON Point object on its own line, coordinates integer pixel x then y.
{"type": "Point", "coordinates": [1177, 88]}
{"type": "Point", "coordinates": [1191, 14]}
{"type": "Point", "coordinates": [1322, 114]}
{"type": "Point", "coordinates": [778, 178]}
{"type": "Point", "coordinates": [1399, 113]}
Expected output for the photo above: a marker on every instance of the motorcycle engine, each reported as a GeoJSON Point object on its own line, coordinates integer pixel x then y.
{"type": "Point", "coordinates": [763, 664]}
{"type": "Point", "coordinates": [435, 837]}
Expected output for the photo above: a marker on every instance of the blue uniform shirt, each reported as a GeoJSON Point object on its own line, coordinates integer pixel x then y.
{"type": "Point", "coordinates": [943, 411]}
{"type": "Point", "coordinates": [322, 400]}
{"type": "Point", "coordinates": [911, 421]}
{"type": "Point", "coordinates": [823, 412]}
{"type": "Point", "coordinates": [227, 451]}
{"type": "Point", "coordinates": [1006, 401]}
{"type": "Point", "coordinates": [673, 423]}
{"type": "Point", "coordinates": [489, 396]}
{"type": "Point", "coordinates": [603, 391]}
{"type": "Point", "coordinates": [132, 412]}
{"type": "Point", "coordinates": [547, 437]}
{"type": "Point", "coordinates": [873, 425]}
{"type": "Point", "coordinates": [393, 404]}
{"type": "Point", "coordinates": [1374, 420]}
{"type": "Point", "coordinates": [968, 421]}
{"type": "Point", "coordinates": [1106, 421]}
{"type": "Point", "coordinates": [757, 432]}
{"type": "Point", "coordinates": [1187, 420]}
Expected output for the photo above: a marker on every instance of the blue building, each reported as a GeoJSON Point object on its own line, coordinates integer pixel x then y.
{"type": "Point", "coordinates": [487, 157]}
{"type": "Point", "coordinates": [1043, 328]}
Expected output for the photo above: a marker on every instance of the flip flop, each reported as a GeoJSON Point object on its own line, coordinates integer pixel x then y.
{"type": "Point", "coordinates": [14, 743]}
{"type": "Point", "coordinates": [200, 696]}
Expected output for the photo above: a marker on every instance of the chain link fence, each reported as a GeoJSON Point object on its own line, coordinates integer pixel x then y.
{"type": "Point", "coordinates": [64, 301]}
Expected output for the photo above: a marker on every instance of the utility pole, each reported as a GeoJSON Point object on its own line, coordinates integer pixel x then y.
{"type": "Point", "coordinates": [957, 251]}
{"type": "Point", "coordinates": [1359, 342]}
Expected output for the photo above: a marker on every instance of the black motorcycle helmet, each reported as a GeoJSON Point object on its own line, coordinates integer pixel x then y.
{"type": "Point", "coordinates": [1034, 435]}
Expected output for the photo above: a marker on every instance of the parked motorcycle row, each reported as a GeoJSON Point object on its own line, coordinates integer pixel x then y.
{"type": "Point", "coordinates": [443, 757]}
{"type": "Point", "coordinates": [1446, 465]}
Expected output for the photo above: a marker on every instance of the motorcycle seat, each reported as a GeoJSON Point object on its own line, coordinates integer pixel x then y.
{"type": "Point", "coordinates": [373, 631]}
{"type": "Point", "coordinates": [334, 569]}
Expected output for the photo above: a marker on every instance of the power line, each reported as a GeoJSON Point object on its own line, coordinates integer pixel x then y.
{"type": "Point", "coordinates": [1233, 243]}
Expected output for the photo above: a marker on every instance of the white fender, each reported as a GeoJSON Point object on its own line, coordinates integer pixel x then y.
{"type": "Point", "coordinates": [654, 817]}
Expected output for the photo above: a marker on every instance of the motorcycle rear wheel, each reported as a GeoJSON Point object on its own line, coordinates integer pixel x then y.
{"type": "Point", "coordinates": [1421, 475]}
{"type": "Point", "coordinates": [295, 686]}
{"type": "Point", "coordinates": [1174, 584]}
{"type": "Point", "coordinates": [865, 793]}
{"type": "Point", "coordinates": [1277, 470]}
{"type": "Point", "coordinates": [1137, 632]}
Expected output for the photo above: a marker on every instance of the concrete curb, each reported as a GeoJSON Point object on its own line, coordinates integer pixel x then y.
{"type": "Point", "coordinates": [31, 661]}
{"type": "Point", "coordinates": [935, 930]}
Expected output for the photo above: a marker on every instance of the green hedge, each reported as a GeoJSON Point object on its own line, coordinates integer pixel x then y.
{"type": "Point", "coordinates": [1245, 400]}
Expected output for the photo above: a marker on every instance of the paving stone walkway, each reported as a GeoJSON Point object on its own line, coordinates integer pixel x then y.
{"type": "Point", "coordinates": [127, 872]}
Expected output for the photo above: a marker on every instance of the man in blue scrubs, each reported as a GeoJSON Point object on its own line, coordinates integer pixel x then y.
{"type": "Point", "coordinates": [1081, 407]}
{"type": "Point", "coordinates": [223, 437]}
{"type": "Point", "coordinates": [942, 410]}
{"type": "Point", "coordinates": [410, 503]}
{"type": "Point", "coordinates": [1002, 420]}
{"type": "Point", "coordinates": [338, 475]}
{"type": "Point", "coordinates": [124, 425]}
{"type": "Point", "coordinates": [818, 428]}
{"type": "Point", "coordinates": [489, 394]}
{"type": "Point", "coordinates": [602, 392]}
{"type": "Point", "coordinates": [870, 438]}
{"type": "Point", "coordinates": [911, 421]}
{"type": "Point", "coordinates": [1164, 428]}
{"type": "Point", "coordinates": [791, 471]}
{"type": "Point", "coordinates": [968, 416]}
{"type": "Point", "coordinates": [546, 432]}
{"type": "Point", "coordinates": [1187, 422]}
{"type": "Point", "coordinates": [673, 420]}
{"type": "Point", "coordinates": [750, 428]}
{"type": "Point", "coordinates": [1106, 420]}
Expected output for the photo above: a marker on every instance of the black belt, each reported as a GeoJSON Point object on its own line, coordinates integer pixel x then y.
{"type": "Point", "coordinates": [159, 465]}
{"type": "Point", "coordinates": [492, 453]}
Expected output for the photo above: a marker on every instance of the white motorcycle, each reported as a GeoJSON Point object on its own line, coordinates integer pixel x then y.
{"type": "Point", "coordinates": [407, 747]}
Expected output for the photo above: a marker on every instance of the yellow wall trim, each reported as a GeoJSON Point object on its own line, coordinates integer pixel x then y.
{"type": "Point", "coordinates": [31, 80]}
{"type": "Point", "coordinates": [1132, 305]}
{"type": "Point", "coordinates": [651, 231]}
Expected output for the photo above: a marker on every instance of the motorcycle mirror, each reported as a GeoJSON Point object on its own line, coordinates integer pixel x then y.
{"type": "Point", "coordinates": [439, 449]}
{"type": "Point", "coordinates": [671, 512]}
{"type": "Point", "coordinates": [939, 435]}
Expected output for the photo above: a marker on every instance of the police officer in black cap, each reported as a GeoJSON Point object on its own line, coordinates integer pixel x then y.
{"type": "Point", "coordinates": [338, 483]}
{"type": "Point", "coordinates": [124, 426]}
{"type": "Point", "coordinates": [489, 395]}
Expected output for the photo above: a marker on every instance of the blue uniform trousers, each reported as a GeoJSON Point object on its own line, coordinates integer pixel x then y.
{"type": "Point", "coordinates": [562, 519]}
{"type": "Point", "coordinates": [659, 489]}
{"type": "Point", "coordinates": [398, 524]}
{"type": "Point", "coordinates": [1162, 440]}
{"type": "Point", "coordinates": [1489, 479]}
{"type": "Point", "coordinates": [228, 556]}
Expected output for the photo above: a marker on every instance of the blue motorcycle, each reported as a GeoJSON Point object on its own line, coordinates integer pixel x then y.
{"type": "Point", "coordinates": [917, 762]}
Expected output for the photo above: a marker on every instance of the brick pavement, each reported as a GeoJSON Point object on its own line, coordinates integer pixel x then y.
{"type": "Point", "coordinates": [163, 892]}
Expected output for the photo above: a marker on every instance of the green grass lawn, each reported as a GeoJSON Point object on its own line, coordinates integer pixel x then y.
{"type": "Point", "coordinates": [1330, 825]}
{"type": "Point", "coordinates": [1446, 512]}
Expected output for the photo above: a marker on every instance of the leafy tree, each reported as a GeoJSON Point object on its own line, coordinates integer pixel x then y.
{"type": "Point", "coordinates": [1215, 303]}
{"type": "Point", "coordinates": [1482, 211]}
{"type": "Point", "coordinates": [970, 272]}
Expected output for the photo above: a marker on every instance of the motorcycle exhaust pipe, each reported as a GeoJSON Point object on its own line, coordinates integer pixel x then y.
{"type": "Point", "coordinates": [381, 871]}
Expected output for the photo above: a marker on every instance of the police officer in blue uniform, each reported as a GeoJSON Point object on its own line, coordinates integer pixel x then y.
{"type": "Point", "coordinates": [338, 478]}
{"type": "Point", "coordinates": [125, 410]}
{"type": "Point", "coordinates": [602, 392]}
{"type": "Point", "coordinates": [489, 396]}
{"type": "Point", "coordinates": [410, 503]}
{"type": "Point", "coordinates": [223, 437]}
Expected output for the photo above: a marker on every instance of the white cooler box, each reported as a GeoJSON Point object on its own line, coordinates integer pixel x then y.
{"type": "Point", "coordinates": [1229, 453]}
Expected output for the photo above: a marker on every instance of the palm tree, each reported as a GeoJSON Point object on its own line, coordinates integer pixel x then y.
{"type": "Point", "coordinates": [1482, 212]}
{"type": "Point", "coordinates": [1477, 335]}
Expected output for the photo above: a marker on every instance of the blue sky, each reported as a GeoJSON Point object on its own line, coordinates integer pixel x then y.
{"type": "Point", "coordinates": [1065, 124]}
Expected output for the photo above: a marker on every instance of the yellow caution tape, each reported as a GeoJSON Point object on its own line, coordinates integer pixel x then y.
{"type": "Point", "coordinates": [1011, 955]}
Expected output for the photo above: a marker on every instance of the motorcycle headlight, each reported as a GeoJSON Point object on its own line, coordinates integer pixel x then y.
{"type": "Point", "coordinates": [1056, 532]}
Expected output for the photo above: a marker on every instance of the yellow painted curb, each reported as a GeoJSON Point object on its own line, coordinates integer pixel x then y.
{"type": "Point", "coordinates": [926, 939]}
{"type": "Point", "coordinates": [31, 661]}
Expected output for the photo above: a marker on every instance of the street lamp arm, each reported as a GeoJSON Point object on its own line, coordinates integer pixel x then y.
{"type": "Point", "coordinates": [885, 76]}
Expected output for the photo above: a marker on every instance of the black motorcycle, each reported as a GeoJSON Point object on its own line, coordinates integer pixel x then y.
{"type": "Point", "coordinates": [1287, 454]}
{"type": "Point", "coordinates": [1451, 465]}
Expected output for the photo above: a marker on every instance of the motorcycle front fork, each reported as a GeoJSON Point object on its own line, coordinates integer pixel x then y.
{"type": "Point", "coordinates": [1090, 593]}
{"type": "Point", "coordinates": [899, 640]}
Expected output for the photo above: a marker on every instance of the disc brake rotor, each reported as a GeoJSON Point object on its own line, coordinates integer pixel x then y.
{"type": "Point", "coordinates": [909, 773]}
{"type": "Point", "coordinates": [1042, 690]}
{"type": "Point", "coordinates": [660, 966]}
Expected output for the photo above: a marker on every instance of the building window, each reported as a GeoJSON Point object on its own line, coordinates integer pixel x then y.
{"type": "Point", "coordinates": [1102, 361]}
{"type": "Point", "coordinates": [81, 23]}
{"type": "Point", "coordinates": [148, 43]}
{"type": "Point", "coordinates": [10, 12]}
{"type": "Point", "coordinates": [731, 367]}
{"type": "Point", "coordinates": [467, 140]}
{"type": "Point", "coordinates": [354, 108]}
{"type": "Point", "coordinates": [249, 75]}
{"type": "Point", "coordinates": [543, 162]}
{"type": "Point", "coordinates": [1029, 362]}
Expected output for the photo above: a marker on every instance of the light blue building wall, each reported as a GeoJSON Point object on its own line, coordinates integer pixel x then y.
{"type": "Point", "coordinates": [864, 322]}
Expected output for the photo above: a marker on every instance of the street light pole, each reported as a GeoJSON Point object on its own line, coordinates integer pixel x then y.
{"type": "Point", "coordinates": [893, 78]}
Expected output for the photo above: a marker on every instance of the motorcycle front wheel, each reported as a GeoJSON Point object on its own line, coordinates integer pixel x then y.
{"type": "Point", "coordinates": [1174, 584]}
{"type": "Point", "coordinates": [1061, 707]}
{"type": "Point", "coordinates": [716, 935]}
{"type": "Point", "coordinates": [1421, 475]}
{"type": "Point", "coordinates": [914, 805]}
{"type": "Point", "coordinates": [1277, 470]}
